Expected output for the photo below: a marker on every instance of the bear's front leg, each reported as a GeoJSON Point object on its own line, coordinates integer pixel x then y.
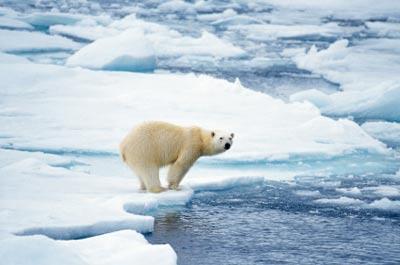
{"type": "Point", "coordinates": [177, 171]}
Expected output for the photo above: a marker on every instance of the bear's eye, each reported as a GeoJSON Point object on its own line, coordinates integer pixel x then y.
{"type": "Point", "coordinates": [221, 138]}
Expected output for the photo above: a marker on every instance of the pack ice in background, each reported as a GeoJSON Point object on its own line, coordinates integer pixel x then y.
{"type": "Point", "coordinates": [310, 88]}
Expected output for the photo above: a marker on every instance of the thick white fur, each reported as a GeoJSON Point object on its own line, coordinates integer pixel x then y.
{"type": "Point", "coordinates": [152, 145]}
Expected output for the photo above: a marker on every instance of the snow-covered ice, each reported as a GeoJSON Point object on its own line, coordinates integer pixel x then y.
{"type": "Point", "coordinates": [47, 19]}
{"type": "Point", "coordinates": [39, 197]}
{"type": "Point", "coordinates": [384, 29]}
{"type": "Point", "coordinates": [267, 32]}
{"type": "Point", "coordinates": [108, 249]}
{"type": "Point", "coordinates": [308, 193]}
{"type": "Point", "coordinates": [367, 73]}
{"type": "Point", "coordinates": [385, 204]}
{"type": "Point", "coordinates": [107, 101]}
{"type": "Point", "coordinates": [341, 201]}
{"type": "Point", "coordinates": [87, 29]}
{"type": "Point", "coordinates": [358, 9]}
{"type": "Point", "coordinates": [349, 191]}
{"type": "Point", "coordinates": [15, 41]}
{"type": "Point", "coordinates": [10, 23]}
{"type": "Point", "coordinates": [128, 51]}
{"type": "Point", "coordinates": [388, 132]}
{"type": "Point", "coordinates": [384, 191]}
{"type": "Point", "coordinates": [165, 41]}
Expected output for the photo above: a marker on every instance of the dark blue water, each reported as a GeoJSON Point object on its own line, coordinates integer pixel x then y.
{"type": "Point", "coordinates": [270, 224]}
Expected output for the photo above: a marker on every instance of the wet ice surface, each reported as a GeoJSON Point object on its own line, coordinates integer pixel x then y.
{"type": "Point", "coordinates": [276, 223]}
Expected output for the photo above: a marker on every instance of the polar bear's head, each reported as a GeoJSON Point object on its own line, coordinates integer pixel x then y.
{"type": "Point", "coordinates": [221, 141]}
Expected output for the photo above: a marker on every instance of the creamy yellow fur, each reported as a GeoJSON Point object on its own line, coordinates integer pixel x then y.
{"type": "Point", "coordinates": [152, 145]}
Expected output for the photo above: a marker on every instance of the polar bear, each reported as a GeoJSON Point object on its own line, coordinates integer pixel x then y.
{"type": "Point", "coordinates": [152, 145]}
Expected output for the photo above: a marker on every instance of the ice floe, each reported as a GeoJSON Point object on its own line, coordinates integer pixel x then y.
{"type": "Point", "coordinates": [165, 41]}
{"type": "Point", "coordinates": [384, 29]}
{"type": "Point", "coordinates": [40, 195]}
{"type": "Point", "coordinates": [15, 41]}
{"type": "Point", "coordinates": [349, 191]}
{"type": "Point", "coordinates": [367, 73]}
{"type": "Point", "coordinates": [128, 51]}
{"type": "Point", "coordinates": [341, 201]}
{"type": "Point", "coordinates": [384, 191]}
{"type": "Point", "coordinates": [48, 19]}
{"type": "Point", "coordinates": [308, 193]}
{"type": "Point", "coordinates": [295, 128]}
{"type": "Point", "coordinates": [95, 250]}
{"type": "Point", "coordinates": [87, 29]}
{"type": "Point", "coordinates": [342, 9]}
{"type": "Point", "coordinates": [388, 132]}
{"type": "Point", "coordinates": [10, 23]}
{"type": "Point", "coordinates": [385, 204]}
{"type": "Point", "coordinates": [177, 6]}
{"type": "Point", "coordinates": [264, 32]}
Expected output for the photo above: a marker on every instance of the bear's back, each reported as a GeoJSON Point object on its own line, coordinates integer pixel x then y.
{"type": "Point", "coordinates": [155, 142]}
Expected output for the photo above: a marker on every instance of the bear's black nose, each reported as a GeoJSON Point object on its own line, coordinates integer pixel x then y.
{"type": "Point", "coordinates": [227, 146]}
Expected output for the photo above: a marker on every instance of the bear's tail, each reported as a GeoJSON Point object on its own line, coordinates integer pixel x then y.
{"type": "Point", "coordinates": [122, 152]}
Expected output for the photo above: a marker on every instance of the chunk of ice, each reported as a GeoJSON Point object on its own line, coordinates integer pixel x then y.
{"type": "Point", "coordinates": [128, 51]}
{"type": "Point", "coordinates": [11, 23]}
{"type": "Point", "coordinates": [367, 73]}
{"type": "Point", "coordinates": [16, 41]}
{"type": "Point", "coordinates": [341, 201]}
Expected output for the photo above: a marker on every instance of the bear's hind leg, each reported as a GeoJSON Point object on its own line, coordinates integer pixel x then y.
{"type": "Point", "coordinates": [138, 174]}
{"type": "Point", "coordinates": [142, 186]}
{"type": "Point", "coordinates": [151, 179]}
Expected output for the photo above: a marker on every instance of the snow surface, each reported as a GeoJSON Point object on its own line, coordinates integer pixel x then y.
{"type": "Point", "coordinates": [356, 9]}
{"type": "Point", "coordinates": [128, 51]}
{"type": "Point", "coordinates": [108, 249]}
{"type": "Point", "coordinates": [367, 73]}
{"type": "Point", "coordinates": [108, 100]}
{"type": "Point", "coordinates": [16, 41]}
{"type": "Point", "coordinates": [39, 197]}
{"type": "Point", "coordinates": [47, 19]}
{"type": "Point", "coordinates": [267, 32]}
{"type": "Point", "coordinates": [349, 191]}
{"type": "Point", "coordinates": [165, 41]}
{"type": "Point", "coordinates": [308, 193]}
{"type": "Point", "coordinates": [87, 29]}
{"type": "Point", "coordinates": [10, 23]}
{"type": "Point", "coordinates": [341, 201]}
{"type": "Point", "coordinates": [384, 191]}
{"type": "Point", "coordinates": [383, 204]}
{"type": "Point", "coordinates": [388, 132]}
{"type": "Point", "coordinates": [384, 29]}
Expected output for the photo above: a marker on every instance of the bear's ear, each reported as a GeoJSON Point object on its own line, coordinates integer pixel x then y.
{"type": "Point", "coordinates": [212, 134]}
{"type": "Point", "coordinates": [232, 135]}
